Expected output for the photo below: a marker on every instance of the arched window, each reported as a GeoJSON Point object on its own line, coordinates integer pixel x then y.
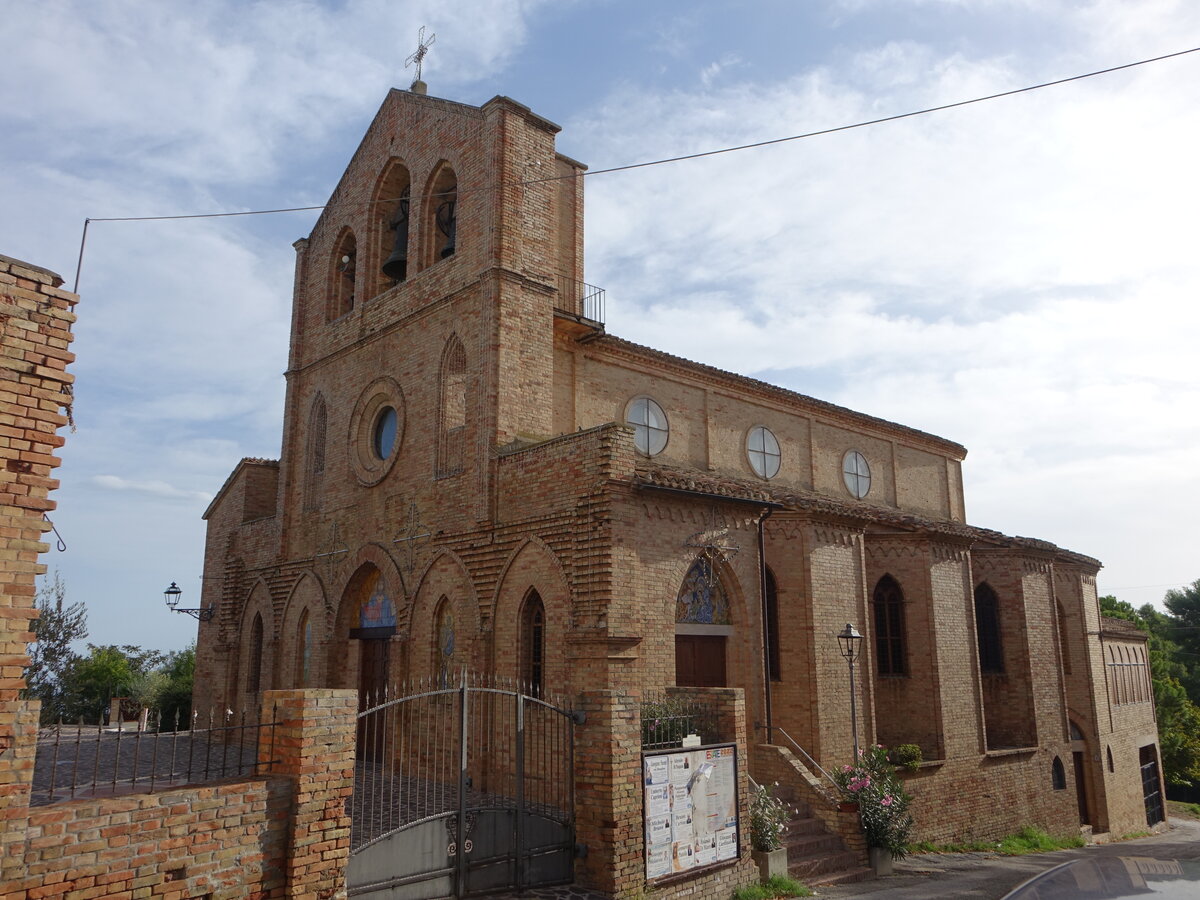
{"type": "Point", "coordinates": [987, 630]}
{"type": "Point", "coordinates": [393, 209]}
{"type": "Point", "coordinates": [533, 643]}
{"type": "Point", "coordinates": [254, 668]}
{"type": "Point", "coordinates": [1108, 751]}
{"type": "Point", "coordinates": [304, 651]}
{"type": "Point", "coordinates": [345, 273]}
{"type": "Point", "coordinates": [774, 670]}
{"type": "Point", "coordinates": [1058, 775]}
{"type": "Point", "coordinates": [444, 644]}
{"type": "Point", "coordinates": [441, 217]}
{"type": "Point", "coordinates": [315, 475]}
{"type": "Point", "coordinates": [888, 603]}
{"type": "Point", "coordinates": [453, 414]}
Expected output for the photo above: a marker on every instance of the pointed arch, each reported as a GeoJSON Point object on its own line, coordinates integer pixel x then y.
{"type": "Point", "coordinates": [314, 463]}
{"type": "Point", "coordinates": [702, 598]}
{"type": "Point", "coordinates": [391, 215]}
{"type": "Point", "coordinates": [445, 642]}
{"type": "Point", "coordinates": [532, 643]}
{"type": "Point", "coordinates": [452, 408]}
{"type": "Point", "coordinates": [439, 227]}
{"type": "Point", "coordinates": [302, 635]}
{"type": "Point", "coordinates": [343, 276]}
{"type": "Point", "coordinates": [255, 656]}
{"type": "Point", "coordinates": [255, 647]}
{"type": "Point", "coordinates": [887, 606]}
{"type": "Point", "coordinates": [532, 568]}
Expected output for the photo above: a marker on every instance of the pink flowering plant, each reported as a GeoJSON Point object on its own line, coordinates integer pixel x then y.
{"type": "Point", "coordinates": [768, 819]}
{"type": "Point", "coordinates": [882, 801]}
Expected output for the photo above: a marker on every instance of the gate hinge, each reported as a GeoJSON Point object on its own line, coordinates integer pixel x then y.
{"type": "Point", "coordinates": [579, 716]}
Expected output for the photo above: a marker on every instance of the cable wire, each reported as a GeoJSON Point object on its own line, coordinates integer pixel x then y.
{"type": "Point", "coordinates": [670, 159]}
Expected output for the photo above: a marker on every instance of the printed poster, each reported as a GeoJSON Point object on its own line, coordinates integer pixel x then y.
{"type": "Point", "coordinates": [690, 809]}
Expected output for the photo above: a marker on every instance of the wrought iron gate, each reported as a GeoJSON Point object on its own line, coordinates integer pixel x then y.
{"type": "Point", "coordinates": [461, 790]}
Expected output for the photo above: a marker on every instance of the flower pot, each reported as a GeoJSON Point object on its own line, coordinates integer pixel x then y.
{"type": "Point", "coordinates": [847, 806]}
{"type": "Point", "coordinates": [881, 860]}
{"type": "Point", "coordinates": [770, 862]}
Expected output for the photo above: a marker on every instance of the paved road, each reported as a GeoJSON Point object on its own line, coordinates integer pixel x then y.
{"type": "Point", "coordinates": [987, 876]}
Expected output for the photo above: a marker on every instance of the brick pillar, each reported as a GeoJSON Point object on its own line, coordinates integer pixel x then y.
{"type": "Point", "coordinates": [313, 743]}
{"type": "Point", "coordinates": [35, 332]}
{"type": "Point", "coordinates": [608, 794]}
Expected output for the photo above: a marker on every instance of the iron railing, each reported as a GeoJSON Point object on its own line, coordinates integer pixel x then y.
{"type": "Point", "coordinates": [145, 754]}
{"type": "Point", "coordinates": [581, 299]}
{"type": "Point", "coordinates": [808, 760]}
{"type": "Point", "coordinates": [668, 719]}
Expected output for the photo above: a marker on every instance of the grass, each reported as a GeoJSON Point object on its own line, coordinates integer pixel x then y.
{"type": "Point", "coordinates": [1027, 840]}
{"type": "Point", "coordinates": [1183, 810]}
{"type": "Point", "coordinates": [776, 886]}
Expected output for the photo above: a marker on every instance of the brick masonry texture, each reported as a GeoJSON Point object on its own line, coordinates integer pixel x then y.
{"type": "Point", "coordinates": [514, 473]}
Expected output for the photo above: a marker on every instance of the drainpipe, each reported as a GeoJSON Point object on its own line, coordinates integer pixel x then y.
{"type": "Point", "coordinates": [766, 623]}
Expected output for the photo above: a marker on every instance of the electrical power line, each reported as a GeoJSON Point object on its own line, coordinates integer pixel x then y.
{"type": "Point", "coordinates": [671, 159]}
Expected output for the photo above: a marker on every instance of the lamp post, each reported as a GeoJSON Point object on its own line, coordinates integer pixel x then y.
{"type": "Point", "coordinates": [172, 594]}
{"type": "Point", "coordinates": [850, 645]}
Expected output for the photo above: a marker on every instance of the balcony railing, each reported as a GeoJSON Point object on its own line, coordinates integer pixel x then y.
{"type": "Point", "coordinates": [581, 299]}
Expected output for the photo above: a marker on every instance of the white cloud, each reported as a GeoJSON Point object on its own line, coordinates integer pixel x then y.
{"type": "Point", "coordinates": [154, 488]}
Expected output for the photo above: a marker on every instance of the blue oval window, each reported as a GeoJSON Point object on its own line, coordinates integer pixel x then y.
{"type": "Point", "coordinates": [385, 432]}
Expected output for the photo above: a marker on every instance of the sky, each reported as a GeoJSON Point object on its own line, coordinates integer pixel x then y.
{"type": "Point", "coordinates": [1019, 276]}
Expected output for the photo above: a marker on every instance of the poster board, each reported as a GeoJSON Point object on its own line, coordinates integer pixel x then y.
{"type": "Point", "coordinates": [690, 809]}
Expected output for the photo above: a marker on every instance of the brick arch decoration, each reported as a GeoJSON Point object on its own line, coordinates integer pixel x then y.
{"type": "Point", "coordinates": [258, 603]}
{"type": "Point", "coordinates": [342, 284]}
{"type": "Point", "coordinates": [395, 180]}
{"type": "Point", "coordinates": [739, 615]}
{"type": "Point", "coordinates": [307, 595]}
{"type": "Point", "coordinates": [531, 566]}
{"type": "Point", "coordinates": [445, 576]}
{"type": "Point", "coordinates": [348, 599]}
{"type": "Point", "coordinates": [442, 177]}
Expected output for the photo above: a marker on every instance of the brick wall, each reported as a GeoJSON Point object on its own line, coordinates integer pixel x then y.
{"type": "Point", "coordinates": [35, 391]}
{"type": "Point", "coordinates": [285, 834]}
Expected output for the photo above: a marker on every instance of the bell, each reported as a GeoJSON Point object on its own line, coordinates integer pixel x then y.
{"type": "Point", "coordinates": [395, 266]}
{"type": "Point", "coordinates": [447, 223]}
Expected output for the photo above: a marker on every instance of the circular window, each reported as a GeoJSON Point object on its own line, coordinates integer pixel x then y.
{"type": "Point", "coordinates": [385, 432]}
{"type": "Point", "coordinates": [763, 450]}
{"type": "Point", "coordinates": [650, 429]}
{"type": "Point", "coordinates": [856, 473]}
{"type": "Point", "coordinates": [376, 430]}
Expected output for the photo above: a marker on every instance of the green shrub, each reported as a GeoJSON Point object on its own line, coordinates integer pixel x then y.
{"type": "Point", "coordinates": [906, 756]}
{"type": "Point", "coordinates": [775, 886]}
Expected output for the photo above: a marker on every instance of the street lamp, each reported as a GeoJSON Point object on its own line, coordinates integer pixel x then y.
{"type": "Point", "coordinates": [850, 645]}
{"type": "Point", "coordinates": [172, 594]}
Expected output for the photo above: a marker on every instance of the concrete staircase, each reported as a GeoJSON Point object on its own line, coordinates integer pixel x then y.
{"type": "Point", "coordinates": [815, 856]}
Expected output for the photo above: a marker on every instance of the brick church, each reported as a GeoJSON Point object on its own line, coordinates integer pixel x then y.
{"type": "Point", "coordinates": [474, 475]}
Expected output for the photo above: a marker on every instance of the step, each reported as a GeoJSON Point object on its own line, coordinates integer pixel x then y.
{"type": "Point", "coordinates": [812, 844]}
{"type": "Point", "coordinates": [810, 825]}
{"type": "Point", "coordinates": [806, 868]}
{"type": "Point", "coordinates": [842, 876]}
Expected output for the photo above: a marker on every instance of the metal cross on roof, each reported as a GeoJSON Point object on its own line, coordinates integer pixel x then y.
{"type": "Point", "coordinates": [418, 56]}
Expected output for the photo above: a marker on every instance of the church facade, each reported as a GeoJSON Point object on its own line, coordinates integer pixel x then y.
{"type": "Point", "coordinates": [475, 475]}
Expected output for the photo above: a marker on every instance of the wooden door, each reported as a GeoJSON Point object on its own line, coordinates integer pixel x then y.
{"type": "Point", "coordinates": [700, 660]}
{"type": "Point", "coordinates": [372, 679]}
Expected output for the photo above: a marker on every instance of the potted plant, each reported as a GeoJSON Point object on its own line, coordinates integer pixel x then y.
{"type": "Point", "coordinates": [768, 821]}
{"type": "Point", "coordinates": [883, 806]}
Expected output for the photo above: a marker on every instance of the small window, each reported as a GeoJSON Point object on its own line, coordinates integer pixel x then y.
{"type": "Point", "coordinates": [1058, 775]}
{"type": "Point", "coordinates": [533, 644]}
{"type": "Point", "coordinates": [385, 432]}
{"type": "Point", "coordinates": [763, 450]}
{"type": "Point", "coordinates": [650, 429]}
{"type": "Point", "coordinates": [856, 474]}
{"type": "Point", "coordinates": [987, 630]}
{"type": "Point", "coordinates": [254, 679]}
{"type": "Point", "coordinates": [1111, 767]}
{"type": "Point", "coordinates": [774, 669]}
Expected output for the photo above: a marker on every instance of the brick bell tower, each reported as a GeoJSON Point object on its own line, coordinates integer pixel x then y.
{"type": "Point", "coordinates": [424, 305]}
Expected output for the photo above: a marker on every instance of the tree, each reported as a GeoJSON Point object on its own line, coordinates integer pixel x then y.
{"type": "Point", "coordinates": [50, 656]}
{"type": "Point", "coordinates": [107, 671]}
